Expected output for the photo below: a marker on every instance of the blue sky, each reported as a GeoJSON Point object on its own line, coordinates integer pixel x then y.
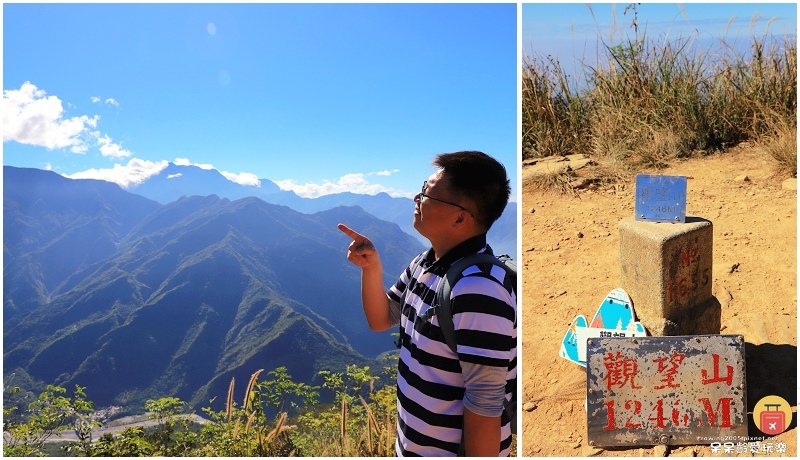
{"type": "Point", "coordinates": [319, 98]}
{"type": "Point", "coordinates": [570, 31]}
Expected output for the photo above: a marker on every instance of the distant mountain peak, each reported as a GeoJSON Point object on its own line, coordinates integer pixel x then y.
{"type": "Point", "coordinates": [178, 180]}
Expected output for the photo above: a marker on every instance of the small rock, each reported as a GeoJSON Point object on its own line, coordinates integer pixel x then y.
{"type": "Point", "coordinates": [562, 292]}
{"type": "Point", "coordinates": [552, 381]}
{"type": "Point", "coordinates": [734, 268]}
{"type": "Point", "coordinates": [789, 184]}
{"type": "Point", "coordinates": [660, 451]}
{"type": "Point", "coordinates": [575, 445]}
{"type": "Point", "coordinates": [528, 406]}
{"type": "Point", "coordinates": [579, 234]}
{"type": "Point", "coordinates": [533, 210]}
{"type": "Point", "coordinates": [742, 178]}
{"type": "Point", "coordinates": [580, 183]}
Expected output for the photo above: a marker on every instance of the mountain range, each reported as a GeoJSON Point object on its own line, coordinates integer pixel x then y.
{"type": "Point", "coordinates": [136, 299]}
{"type": "Point", "coordinates": [176, 181]}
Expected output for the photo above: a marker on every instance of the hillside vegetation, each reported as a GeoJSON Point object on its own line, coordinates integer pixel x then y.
{"type": "Point", "coordinates": [650, 101]}
{"type": "Point", "coordinates": [276, 417]}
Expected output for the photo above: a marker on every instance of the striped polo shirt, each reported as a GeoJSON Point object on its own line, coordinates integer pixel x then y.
{"type": "Point", "coordinates": [430, 385]}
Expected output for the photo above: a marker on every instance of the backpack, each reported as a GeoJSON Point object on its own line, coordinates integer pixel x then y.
{"type": "Point", "coordinates": [445, 314]}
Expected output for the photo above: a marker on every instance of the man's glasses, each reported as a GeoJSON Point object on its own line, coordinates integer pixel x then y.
{"type": "Point", "coordinates": [422, 195]}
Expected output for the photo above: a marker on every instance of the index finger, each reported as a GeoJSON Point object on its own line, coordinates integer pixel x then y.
{"type": "Point", "coordinates": [349, 232]}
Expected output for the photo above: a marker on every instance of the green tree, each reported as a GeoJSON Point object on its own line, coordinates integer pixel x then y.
{"type": "Point", "coordinates": [283, 395]}
{"type": "Point", "coordinates": [172, 435]}
{"type": "Point", "coordinates": [48, 415]}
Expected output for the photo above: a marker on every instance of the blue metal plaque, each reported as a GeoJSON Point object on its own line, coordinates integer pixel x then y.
{"type": "Point", "coordinates": [660, 198]}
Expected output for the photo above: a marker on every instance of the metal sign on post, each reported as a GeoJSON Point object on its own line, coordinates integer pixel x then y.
{"type": "Point", "coordinates": [660, 198]}
{"type": "Point", "coordinates": [681, 390]}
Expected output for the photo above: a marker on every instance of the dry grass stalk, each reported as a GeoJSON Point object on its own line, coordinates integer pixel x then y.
{"type": "Point", "coordinates": [249, 423]}
{"type": "Point", "coordinates": [343, 427]}
{"type": "Point", "coordinates": [250, 385]}
{"type": "Point", "coordinates": [279, 426]}
{"type": "Point", "coordinates": [389, 436]}
{"type": "Point", "coordinates": [229, 403]}
{"type": "Point", "coordinates": [371, 424]}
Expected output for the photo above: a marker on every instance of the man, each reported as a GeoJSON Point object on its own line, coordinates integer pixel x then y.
{"type": "Point", "coordinates": [449, 403]}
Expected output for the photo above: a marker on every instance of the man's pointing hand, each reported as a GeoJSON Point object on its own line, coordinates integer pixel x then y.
{"type": "Point", "coordinates": [361, 251]}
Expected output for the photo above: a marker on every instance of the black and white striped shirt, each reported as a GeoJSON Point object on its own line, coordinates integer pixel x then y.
{"type": "Point", "coordinates": [431, 378]}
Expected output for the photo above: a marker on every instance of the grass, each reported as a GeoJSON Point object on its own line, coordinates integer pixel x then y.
{"type": "Point", "coordinates": [650, 102]}
{"type": "Point", "coordinates": [781, 145]}
{"type": "Point", "coordinates": [560, 181]}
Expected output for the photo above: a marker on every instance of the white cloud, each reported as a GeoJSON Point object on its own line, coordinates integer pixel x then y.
{"type": "Point", "coordinates": [246, 179]}
{"type": "Point", "coordinates": [30, 117]}
{"type": "Point", "coordinates": [385, 172]}
{"type": "Point", "coordinates": [132, 174]}
{"type": "Point", "coordinates": [187, 162]}
{"type": "Point", "coordinates": [355, 183]}
{"type": "Point", "coordinates": [173, 176]}
{"type": "Point", "coordinates": [109, 149]}
{"type": "Point", "coordinates": [109, 101]}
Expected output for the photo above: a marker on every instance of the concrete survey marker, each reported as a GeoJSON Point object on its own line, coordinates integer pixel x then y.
{"type": "Point", "coordinates": [660, 198]}
{"type": "Point", "coordinates": [677, 390]}
{"type": "Point", "coordinates": [667, 272]}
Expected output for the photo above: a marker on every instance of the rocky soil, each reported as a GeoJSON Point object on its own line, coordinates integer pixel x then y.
{"type": "Point", "coordinates": [570, 261]}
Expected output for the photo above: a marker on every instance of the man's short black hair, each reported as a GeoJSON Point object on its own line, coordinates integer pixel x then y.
{"type": "Point", "coordinates": [479, 178]}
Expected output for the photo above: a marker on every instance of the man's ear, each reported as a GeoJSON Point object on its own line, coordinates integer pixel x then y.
{"type": "Point", "coordinates": [462, 218]}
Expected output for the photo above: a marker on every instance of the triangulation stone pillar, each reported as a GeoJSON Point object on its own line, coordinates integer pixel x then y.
{"type": "Point", "coordinates": [666, 270]}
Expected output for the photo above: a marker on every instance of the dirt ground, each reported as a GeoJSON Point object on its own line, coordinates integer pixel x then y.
{"type": "Point", "coordinates": [570, 261]}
